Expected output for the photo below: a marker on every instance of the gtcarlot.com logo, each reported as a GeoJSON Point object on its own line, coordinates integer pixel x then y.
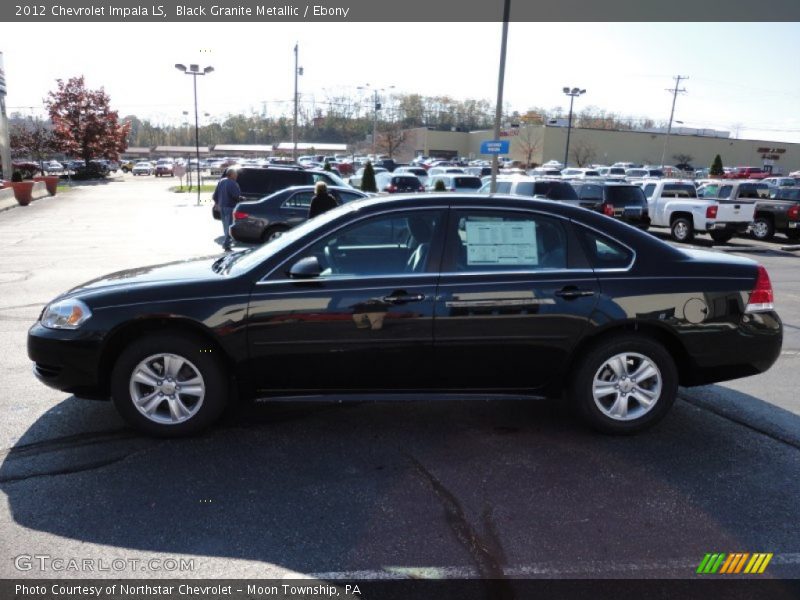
{"type": "Point", "coordinates": [736, 563]}
{"type": "Point", "coordinates": [46, 562]}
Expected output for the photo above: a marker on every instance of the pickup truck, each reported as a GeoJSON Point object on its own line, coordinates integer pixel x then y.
{"type": "Point", "coordinates": [781, 213]}
{"type": "Point", "coordinates": [674, 203]}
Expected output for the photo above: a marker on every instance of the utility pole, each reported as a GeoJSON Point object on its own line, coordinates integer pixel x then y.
{"type": "Point", "coordinates": [498, 111]}
{"type": "Point", "coordinates": [297, 72]}
{"type": "Point", "coordinates": [677, 89]}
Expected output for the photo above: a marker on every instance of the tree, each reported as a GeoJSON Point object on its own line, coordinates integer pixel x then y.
{"type": "Point", "coordinates": [582, 152]}
{"type": "Point", "coordinates": [34, 139]}
{"type": "Point", "coordinates": [84, 123]}
{"type": "Point", "coordinates": [529, 140]}
{"type": "Point", "coordinates": [716, 166]}
{"type": "Point", "coordinates": [391, 138]}
{"type": "Point", "coordinates": [368, 179]}
{"type": "Point", "coordinates": [327, 166]}
{"type": "Point", "coordinates": [683, 159]}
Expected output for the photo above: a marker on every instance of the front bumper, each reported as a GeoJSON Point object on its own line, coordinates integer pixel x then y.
{"type": "Point", "coordinates": [66, 360]}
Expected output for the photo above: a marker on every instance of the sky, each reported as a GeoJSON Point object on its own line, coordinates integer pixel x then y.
{"type": "Point", "coordinates": [742, 77]}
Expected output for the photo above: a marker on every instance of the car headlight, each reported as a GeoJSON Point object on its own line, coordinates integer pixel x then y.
{"type": "Point", "coordinates": [65, 314]}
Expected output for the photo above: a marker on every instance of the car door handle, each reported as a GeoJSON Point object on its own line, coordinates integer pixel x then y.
{"type": "Point", "coordinates": [403, 298]}
{"type": "Point", "coordinates": [571, 292]}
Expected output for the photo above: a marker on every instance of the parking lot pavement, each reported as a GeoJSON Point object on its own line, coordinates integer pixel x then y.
{"type": "Point", "coordinates": [486, 487]}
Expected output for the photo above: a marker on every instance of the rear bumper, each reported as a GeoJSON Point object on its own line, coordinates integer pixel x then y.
{"type": "Point", "coordinates": [749, 349]}
{"type": "Point", "coordinates": [246, 232]}
{"type": "Point", "coordinates": [736, 227]}
{"type": "Point", "coordinates": [66, 360]}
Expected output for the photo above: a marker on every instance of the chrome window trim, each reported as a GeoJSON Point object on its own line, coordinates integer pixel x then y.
{"type": "Point", "coordinates": [364, 217]}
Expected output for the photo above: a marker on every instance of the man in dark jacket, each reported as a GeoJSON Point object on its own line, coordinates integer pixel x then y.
{"type": "Point", "coordinates": [226, 196]}
{"type": "Point", "coordinates": [322, 200]}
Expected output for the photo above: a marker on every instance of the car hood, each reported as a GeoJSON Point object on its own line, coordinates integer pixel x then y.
{"type": "Point", "coordinates": [195, 270]}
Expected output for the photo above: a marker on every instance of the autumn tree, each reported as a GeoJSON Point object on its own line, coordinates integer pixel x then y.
{"type": "Point", "coordinates": [32, 138]}
{"type": "Point", "coordinates": [84, 123]}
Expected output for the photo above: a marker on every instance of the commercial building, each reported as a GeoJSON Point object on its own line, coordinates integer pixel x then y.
{"type": "Point", "coordinates": [540, 143]}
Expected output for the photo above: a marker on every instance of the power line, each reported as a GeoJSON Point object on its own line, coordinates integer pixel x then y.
{"type": "Point", "coordinates": [677, 90]}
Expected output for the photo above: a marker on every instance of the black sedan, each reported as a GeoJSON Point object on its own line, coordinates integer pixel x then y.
{"type": "Point", "coordinates": [426, 293]}
{"type": "Point", "coordinates": [269, 217]}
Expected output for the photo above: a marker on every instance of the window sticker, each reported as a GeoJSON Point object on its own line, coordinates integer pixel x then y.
{"type": "Point", "coordinates": [501, 243]}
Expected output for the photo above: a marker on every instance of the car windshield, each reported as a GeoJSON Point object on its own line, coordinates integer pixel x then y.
{"type": "Point", "coordinates": [249, 259]}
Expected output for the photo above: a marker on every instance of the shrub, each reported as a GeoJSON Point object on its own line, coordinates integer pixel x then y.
{"type": "Point", "coordinates": [368, 180]}
{"type": "Point", "coordinates": [439, 186]}
{"type": "Point", "coordinates": [716, 166]}
{"type": "Point", "coordinates": [16, 177]}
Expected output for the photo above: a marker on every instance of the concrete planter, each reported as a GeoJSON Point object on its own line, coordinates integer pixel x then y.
{"type": "Point", "coordinates": [51, 181]}
{"type": "Point", "coordinates": [23, 191]}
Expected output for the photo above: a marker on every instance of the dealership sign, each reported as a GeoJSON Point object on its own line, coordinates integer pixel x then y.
{"type": "Point", "coordinates": [494, 147]}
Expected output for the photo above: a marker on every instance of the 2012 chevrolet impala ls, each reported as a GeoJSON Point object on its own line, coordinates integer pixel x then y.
{"type": "Point", "coordinates": [429, 293]}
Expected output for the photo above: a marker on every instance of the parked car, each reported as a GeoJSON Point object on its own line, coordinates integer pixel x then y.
{"type": "Point", "coordinates": [427, 292]}
{"type": "Point", "coordinates": [257, 182]}
{"type": "Point", "coordinates": [533, 187]}
{"type": "Point", "coordinates": [444, 170]}
{"type": "Point", "coordinates": [165, 167]}
{"type": "Point", "coordinates": [623, 201]}
{"type": "Point", "coordinates": [398, 183]}
{"type": "Point", "coordinates": [780, 213]}
{"type": "Point", "coordinates": [53, 166]}
{"type": "Point", "coordinates": [419, 172]}
{"type": "Point", "coordinates": [142, 168]}
{"type": "Point", "coordinates": [127, 166]}
{"type": "Point", "coordinates": [747, 173]}
{"type": "Point", "coordinates": [455, 182]}
{"type": "Point", "coordinates": [270, 217]}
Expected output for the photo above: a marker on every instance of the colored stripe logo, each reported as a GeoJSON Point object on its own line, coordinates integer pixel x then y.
{"type": "Point", "coordinates": [735, 563]}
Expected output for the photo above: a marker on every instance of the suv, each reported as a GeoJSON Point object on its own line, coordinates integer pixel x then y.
{"type": "Point", "coordinates": [257, 182]}
{"type": "Point", "coordinates": [622, 201]}
{"type": "Point", "coordinates": [548, 189]}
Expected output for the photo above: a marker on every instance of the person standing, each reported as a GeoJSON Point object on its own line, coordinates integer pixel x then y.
{"type": "Point", "coordinates": [226, 196]}
{"type": "Point", "coordinates": [322, 200]}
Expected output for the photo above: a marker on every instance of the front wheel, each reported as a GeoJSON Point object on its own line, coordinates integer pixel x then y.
{"type": "Point", "coordinates": [625, 384]}
{"type": "Point", "coordinates": [169, 385]}
{"type": "Point", "coordinates": [721, 237]}
{"type": "Point", "coordinates": [682, 230]}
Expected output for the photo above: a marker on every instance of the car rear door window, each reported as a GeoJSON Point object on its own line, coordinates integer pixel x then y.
{"type": "Point", "coordinates": [299, 200]}
{"type": "Point", "coordinates": [603, 252]}
{"type": "Point", "coordinates": [505, 241]}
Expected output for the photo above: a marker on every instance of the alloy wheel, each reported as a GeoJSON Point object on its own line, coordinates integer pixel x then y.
{"type": "Point", "coordinates": [627, 386]}
{"type": "Point", "coordinates": [167, 389]}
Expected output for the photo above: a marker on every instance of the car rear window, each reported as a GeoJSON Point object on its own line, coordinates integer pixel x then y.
{"type": "Point", "coordinates": [406, 182]}
{"type": "Point", "coordinates": [628, 195]}
{"type": "Point", "coordinates": [473, 183]}
{"type": "Point", "coordinates": [590, 192]}
{"type": "Point", "coordinates": [679, 190]}
{"type": "Point", "coordinates": [265, 181]}
{"type": "Point", "coordinates": [556, 190]}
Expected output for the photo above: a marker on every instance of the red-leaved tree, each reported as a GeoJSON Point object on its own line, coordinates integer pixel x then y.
{"type": "Point", "coordinates": [84, 123]}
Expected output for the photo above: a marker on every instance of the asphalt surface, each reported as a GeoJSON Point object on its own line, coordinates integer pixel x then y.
{"type": "Point", "coordinates": [487, 487]}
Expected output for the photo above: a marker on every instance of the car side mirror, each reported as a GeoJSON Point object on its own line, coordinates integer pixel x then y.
{"type": "Point", "coordinates": [306, 268]}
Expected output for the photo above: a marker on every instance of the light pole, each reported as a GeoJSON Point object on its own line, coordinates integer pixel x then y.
{"type": "Point", "coordinates": [572, 93]}
{"type": "Point", "coordinates": [376, 106]}
{"type": "Point", "coordinates": [194, 71]}
{"type": "Point", "coordinates": [297, 72]}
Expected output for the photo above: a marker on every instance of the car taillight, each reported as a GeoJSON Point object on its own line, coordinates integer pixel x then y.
{"type": "Point", "coordinates": [761, 298]}
{"type": "Point", "coordinates": [390, 188]}
{"type": "Point", "coordinates": [608, 209]}
{"type": "Point", "coordinates": [711, 211]}
{"type": "Point", "coordinates": [238, 215]}
{"type": "Point", "coordinates": [794, 213]}
{"type": "Point", "coordinates": [421, 188]}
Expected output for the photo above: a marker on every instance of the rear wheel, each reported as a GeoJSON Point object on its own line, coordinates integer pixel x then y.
{"type": "Point", "coordinates": [682, 230]}
{"type": "Point", "coordinates": [721, 237]}
{"type": "Point", "coordinates": [169, 385]}
{"type": "Point", "coordinates": [762, 229]}
{"type": "Point", "coordinates": [624, 384]}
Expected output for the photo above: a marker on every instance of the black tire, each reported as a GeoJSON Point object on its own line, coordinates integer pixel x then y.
{"type": "Point", "coordinates": [581, 388]}
{"type": "Point", "coordinates": [763, 229]}
{"type": "Point", "coordinates": [199, 357]}
{"type": "Point", "coordinates": [682, 230]}
{"type": "Point", "coordinates": [721, 237]}
{"type": "Point", "coordinates": [273, 232]}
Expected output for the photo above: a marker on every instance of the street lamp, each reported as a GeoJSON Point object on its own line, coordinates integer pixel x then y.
{"type": "Point", "coordinates": [376, 105]}
{"type": "Point", "coordinates": [194, 71]}
{"type": "Point", "coordinates": [572, 93]}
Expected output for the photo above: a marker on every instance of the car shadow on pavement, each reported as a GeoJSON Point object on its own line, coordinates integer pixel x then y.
{"type": "Point", "coordinates": [492, 485]}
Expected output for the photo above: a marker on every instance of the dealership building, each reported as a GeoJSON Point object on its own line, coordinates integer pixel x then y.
{"type": "Point", "coordinates": [545, 142]}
